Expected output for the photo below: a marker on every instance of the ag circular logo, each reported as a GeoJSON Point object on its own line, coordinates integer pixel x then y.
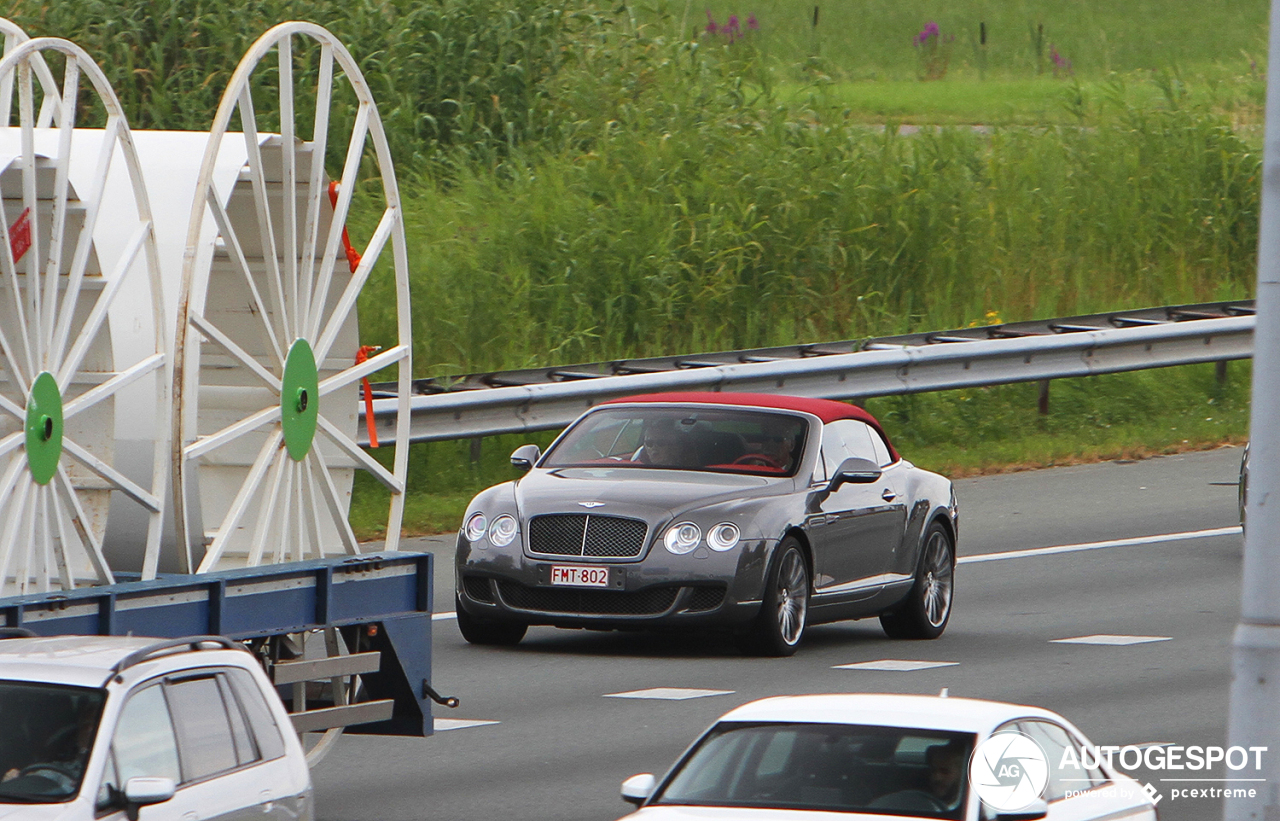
{"type": "Point", "coordinates": [1008, 771]}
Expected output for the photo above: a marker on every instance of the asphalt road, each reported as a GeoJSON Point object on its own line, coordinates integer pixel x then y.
{"type": "Point", "coordinates": [562, 745]}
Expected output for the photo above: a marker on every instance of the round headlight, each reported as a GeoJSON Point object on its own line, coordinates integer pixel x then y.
{"type": "Point", "coordinates": [476, 526]}
{"type": "Point", "coordinates": [503, 530]}
{"type": "Point", "coordinates": [683, 537]}
{"type": "Point", "coordinates": [723, 536]}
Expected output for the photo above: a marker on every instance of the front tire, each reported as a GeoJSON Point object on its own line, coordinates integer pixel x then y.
{"type": "Point", "coordinates": [927, 608]}
{"type": "Point", "coordinates": [784, 612]}
{"type": "Point", "coordinates": [491, 633]}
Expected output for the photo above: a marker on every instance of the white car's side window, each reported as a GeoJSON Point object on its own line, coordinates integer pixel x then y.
{"type": "Point", "coordinates": [144, 744]}
{"type": "Point", "coordinates": [204, 732]}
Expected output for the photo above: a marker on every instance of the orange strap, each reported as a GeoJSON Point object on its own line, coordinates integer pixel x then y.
{"type": "Point", "coordinates": [353, 256]}
{"type": "Point", "coordinates": [362, 355]}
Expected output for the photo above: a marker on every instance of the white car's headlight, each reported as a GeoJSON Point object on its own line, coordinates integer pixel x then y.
{"type": "Point", "coordinates": [682, 538]}
{"type": "Point", "coordinates": [723, 536]}
{"type": "Point", "coordinates": [476, 527]}
{"type": "Point", "coordinates": [503, 530]}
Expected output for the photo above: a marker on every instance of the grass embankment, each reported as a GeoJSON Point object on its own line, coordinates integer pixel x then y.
{"type": "Point", "coordinates": [588, 182]}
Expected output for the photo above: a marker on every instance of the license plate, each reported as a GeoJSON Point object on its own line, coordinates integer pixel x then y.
{"type": "Point", "coordinates": [579, 576]}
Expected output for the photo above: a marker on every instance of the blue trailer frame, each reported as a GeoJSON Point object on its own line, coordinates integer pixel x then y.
{"type": "Point", "coordinates": [384, 598]}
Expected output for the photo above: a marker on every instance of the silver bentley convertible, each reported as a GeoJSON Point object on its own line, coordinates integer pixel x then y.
{"type": "Point", "coordinates": [752, 513]}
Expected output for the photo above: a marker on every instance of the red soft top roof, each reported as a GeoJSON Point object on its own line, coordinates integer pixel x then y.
{"type": "Point", "coordinates": [828, 410]}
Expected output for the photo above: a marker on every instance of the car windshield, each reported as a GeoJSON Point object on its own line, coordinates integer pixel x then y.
{"type": "Point", "coordinates": [47, 735]}
{"type": "Point", "coordinates": [832, 767]}
{"type": "Point", "coordinates": [715, 439]}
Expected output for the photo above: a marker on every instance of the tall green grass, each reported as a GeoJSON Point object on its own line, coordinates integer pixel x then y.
{"type": "Point", "coordinates": [682, 230]}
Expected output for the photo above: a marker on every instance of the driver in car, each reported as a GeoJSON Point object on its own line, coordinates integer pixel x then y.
{"type": "Point", "coordinates": [62, 758]}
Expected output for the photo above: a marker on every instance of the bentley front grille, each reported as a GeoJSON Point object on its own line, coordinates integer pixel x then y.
{"type": "Point", "coordinates": [584, 534]}
{"type": "Point", "coordinates": [653, 601]}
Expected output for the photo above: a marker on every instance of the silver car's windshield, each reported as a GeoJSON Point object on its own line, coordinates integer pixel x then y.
{"type": "Point", "coordinates": [832, 767]}
{"type": "Point", "coordinates": [46, 734]}
{"type": "Point", "coordinates": [715, 439]}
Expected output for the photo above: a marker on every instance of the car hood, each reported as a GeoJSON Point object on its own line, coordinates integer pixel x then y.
{"type": "Point", "coordinates": [674, 813]}
{"type": "Point", "coordinates": [38, 812]}
{"type": "Point", "coordinates": [635, 491]}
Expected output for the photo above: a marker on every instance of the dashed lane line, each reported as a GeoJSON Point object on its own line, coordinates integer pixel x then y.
{"type": "Point", "coordinates": [1111, 640]}
{"type": "Point", "coordinates": [442, 724]}
{"type": "Point", "coordinates": [895, 665]}
{"type": "Point", "coordinates": [670, 693]}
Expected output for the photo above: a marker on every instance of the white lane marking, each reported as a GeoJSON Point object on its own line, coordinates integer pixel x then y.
{"type": "Point", "coordinates": [670, 693]}
{"type": "Point", "coordinates": [895, 665]}
{"type": "Point", "coordinates": [1075, 548]}
{"type": "Point", "coordinates": [1049, 551]}
{"type": "Point", "coordinates": [1111, 640]}
{"type": "Point", "coordinates": [442, 724]}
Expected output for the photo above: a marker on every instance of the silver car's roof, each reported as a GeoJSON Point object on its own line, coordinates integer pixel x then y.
{"type": "Point", "coordinates": [81, 660]}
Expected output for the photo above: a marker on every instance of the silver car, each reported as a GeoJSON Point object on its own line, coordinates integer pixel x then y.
{"type": "Point", "coordinates": [754, 514]}
{"type": "Point", "coordinates": [98, 728]}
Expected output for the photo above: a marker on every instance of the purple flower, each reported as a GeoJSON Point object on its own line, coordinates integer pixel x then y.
{"type": "Point", "coordinates": [733, 23]}
{"type": "Point", "coordinates": [712, 28]}
{"type": "Point", "coordinates": [752, 22]}
{"type": "Point", "coordinates": [930, 30]}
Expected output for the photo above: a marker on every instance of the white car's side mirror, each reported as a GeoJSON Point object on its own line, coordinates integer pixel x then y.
{"type": "Point", "coordinates": [139, 792]}
{"type": "Point", "coordinates": [638, 787]}
{"type": "Point", "coordinates": [1035, 810]}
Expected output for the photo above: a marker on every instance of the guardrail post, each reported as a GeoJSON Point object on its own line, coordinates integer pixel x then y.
{"type": "Point", "coordinates": [1043, 402]}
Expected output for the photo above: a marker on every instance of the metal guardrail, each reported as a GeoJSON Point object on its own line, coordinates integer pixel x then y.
{"type": "Point", "coordinates": [547, 398]}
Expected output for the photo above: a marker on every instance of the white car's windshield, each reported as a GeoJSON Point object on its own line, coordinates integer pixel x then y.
{"type": "Point", "coordinates": [834, 767]}
{"type": "Point", "coordinates": [715, 439]}
{"type": "Point", "coordinates": [46, 734]}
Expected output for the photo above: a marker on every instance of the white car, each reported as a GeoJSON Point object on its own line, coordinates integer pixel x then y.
{"type": "Point", "coordinates": [888, 757]}
{"type": "Point", "coordinates": [104, 728]}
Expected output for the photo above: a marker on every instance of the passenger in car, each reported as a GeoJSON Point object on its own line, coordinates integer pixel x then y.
{"type": "Point", "coordinates": [665, 445]}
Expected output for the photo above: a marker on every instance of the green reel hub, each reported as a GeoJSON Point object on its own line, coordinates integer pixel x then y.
{"type": "Point", "coordinates": [299, 399]}
{"type": "Point", "coordinates": [44, 428]}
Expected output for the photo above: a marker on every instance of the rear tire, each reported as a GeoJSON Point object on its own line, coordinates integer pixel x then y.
{"type": "Point", "coordinates": [924, 613]}
{"type": "Point", "coordinates": [784, 611]}
{"type": "Point", "coordinates": [492, 633]}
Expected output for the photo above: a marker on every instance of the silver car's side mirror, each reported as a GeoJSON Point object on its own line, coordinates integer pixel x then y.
{"type": "Point", "coordinates": [855, 471]}
{"type": "Point", "coordinates": [638, 787]}
{"type": "Point", "coordinates": [526, 456]}
{"type": "Point", "coordinates": [140, 792]}
{"type": "Point", "coordinates": [1032, 812]}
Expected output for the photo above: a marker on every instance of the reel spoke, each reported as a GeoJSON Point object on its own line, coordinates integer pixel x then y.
{"type": "Point", "coordinates": [207, 328]}
{"type": "Point", "coordinates": [232, 432]}
{"type": "Point", "coordinates": [112, 476]}
{"type": "Point", "coordinates": [371, 365]}
{"type": "Point", "coordinates": [348, 446]}
{"type": "Point", "coordinates": [247, 491]}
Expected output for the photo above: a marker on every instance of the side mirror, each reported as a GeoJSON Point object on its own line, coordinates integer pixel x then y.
{"type": "Point", "coordinates": [638, 787]}
{"type": "Point", "coordinates": [855, 471]}
{"type": "Point", "coordinates": [140, 792]}
{"type": "Point", "coordinates": [525, 457]}
{"type": "Point", "coordinates": [1035, 810]}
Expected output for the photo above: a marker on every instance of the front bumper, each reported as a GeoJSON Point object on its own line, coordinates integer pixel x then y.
{"type": "Point", "coordinates": [702, 588]}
